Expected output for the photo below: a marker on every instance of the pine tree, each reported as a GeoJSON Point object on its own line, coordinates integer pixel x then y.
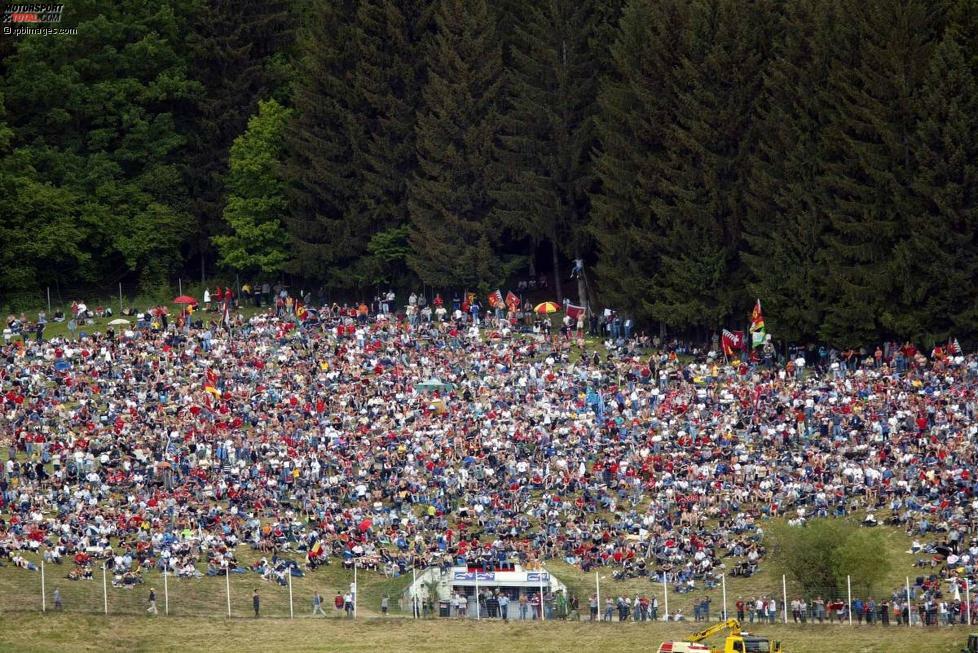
{"type": "Point", "coordinates": [387, 79]}
{"type": "Point", "coordinates": [784, 224]}
{"type": "Point", "coordinates": [936, 259]}
{"type": "Point", "coordinates": [637, 104]}
{"type": "Point", "coordinates": [548, 128]}
{"type": "Point", "coordinates": [867, 168]}
{"type": "Point", "coordinates": [240, 50]}
{"type": "Point", "coordinates": [701, 208]}
{"type": "Point", "coordinates": [324, 147]}
{"type": "Point", "coordinates": [453, 237]}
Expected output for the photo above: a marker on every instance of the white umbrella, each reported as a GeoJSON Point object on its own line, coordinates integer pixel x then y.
{"type": "Point", "coordinates": [118, 322]}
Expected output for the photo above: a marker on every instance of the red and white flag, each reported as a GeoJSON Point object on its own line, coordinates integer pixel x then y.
{"type": "Point", "coordinates": [574, 312]}
{"type": "Point", "coordinates": [512, 300]}
{"type": "Point", "coordinates": [953, 347]}
{"type": "Point", "coordinates": [732, 342]}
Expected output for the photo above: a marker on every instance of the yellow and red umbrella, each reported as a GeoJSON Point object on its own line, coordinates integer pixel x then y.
{"type": "Point", "coordinates": [546, 308]}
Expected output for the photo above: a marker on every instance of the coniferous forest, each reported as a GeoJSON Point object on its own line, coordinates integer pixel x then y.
{"type": "Point", "coordinates": [696, 154]}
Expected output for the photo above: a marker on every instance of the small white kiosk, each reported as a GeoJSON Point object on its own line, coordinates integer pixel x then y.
{"type": "Point", "coordinates": [467, 581]}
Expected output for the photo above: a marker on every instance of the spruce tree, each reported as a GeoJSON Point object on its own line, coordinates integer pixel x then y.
{"type": "Point", "coordinates": [700, 210]}
{"type": "Point", "coordinates": [636, 106]}
{"type": "Point", "coordinates": [324, 147]}
{"type": "Point", "coordinates": [548, 128]}
{"type": "Point", "coordinates": [453, 237]}
{"type": "Point", "coordinates": [387, 80]}
{"type": "Point", "coordinates": [867, 168]}
{"type": "Point", "coordinates": [783, 223]}
{"type": "Point", "coordinates": [936, 255]}
{"type": "Point", "coordinates": [240, 50]}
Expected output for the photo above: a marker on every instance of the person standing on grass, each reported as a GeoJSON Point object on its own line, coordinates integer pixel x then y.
{"type": "Point", "coordinates": [317, 605]}
{"type": "Point", "coordinates": [57, 599]}
{"type": "Point", "coordinates": [152, 601]}
{"type": "Point", "coordinates": [256, 602]}
{"type": "Point", "coordinates": [385, 604]}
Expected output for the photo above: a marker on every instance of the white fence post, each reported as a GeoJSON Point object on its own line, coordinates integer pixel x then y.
{"type": "Point", "coordinates": [105, 591]}
{"type": "Point", "coordinates": [44, 594]}
{"type": "Point", "coordinates": [166, 594]}
{"type": "Point", "coordinates": [909, 611]}
{"type": "Point", "coordinates": [723, 580]}
{"type": "Point", "coordinates": [597, 593]}
{"type": "Point", "coordinates": [414, 590]}
{"type": "Point", "coordinates": [356, 589]}
{"type": "Point", "coordinates": [784, 595]}
{"type": "Point", "coordinates": [665, 595]}
{"type": "Point", "coordinates": [849, 594]}
{"type": "Point", "coordinates": [291, 613]}
{"type": "Point", "coordinates": [227, 580]}
{"type": "Point", "coordinates": [478, 611]}
{"type": "Point", "coordinates": [543, 611]}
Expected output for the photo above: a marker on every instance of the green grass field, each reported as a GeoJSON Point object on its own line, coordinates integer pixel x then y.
{"type": "Point", "coordinates": [23, 632]}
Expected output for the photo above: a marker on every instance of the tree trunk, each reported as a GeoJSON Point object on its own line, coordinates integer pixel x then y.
{"type": "Point", "coordinates": [553, 250]}
{"type": "Point", "coordinates": [581, 283]}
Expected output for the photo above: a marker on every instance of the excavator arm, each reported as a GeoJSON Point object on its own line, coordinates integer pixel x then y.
{"type": "Point", "coordinates": [728, 626]}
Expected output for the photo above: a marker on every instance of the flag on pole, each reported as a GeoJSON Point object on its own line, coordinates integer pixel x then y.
{"type": "Point", "coordinates": [757, 330]}
{"type": "Point", "coordinates": [732, 342]}
{"type": "Point", "coordinates": [495, 299]}
{"type": "Point", "coordinates": [953, 347]}
{"type": "Point", "coordinates": [574, 311]}
{"type": "Point", "coordinates": [512, 300]}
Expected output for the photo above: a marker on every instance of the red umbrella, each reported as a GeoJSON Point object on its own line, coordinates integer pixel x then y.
{"type": "Point", "coordinates": [185, 299]}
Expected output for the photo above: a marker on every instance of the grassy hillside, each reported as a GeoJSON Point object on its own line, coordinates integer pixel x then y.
{"type": "Point", "coordinates": [198, 608]}
{"type": "Point", "coordinates": [21, 590]}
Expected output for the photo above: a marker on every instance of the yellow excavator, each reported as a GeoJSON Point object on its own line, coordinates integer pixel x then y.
{"type": "Point", "coordinates": [736, 641]}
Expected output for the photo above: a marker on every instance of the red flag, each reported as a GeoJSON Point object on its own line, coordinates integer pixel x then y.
{"type": "Point", "coordinates": [512, 300]}
{"type": "Point", "coordinates": [954, 348]}
{"type": "Point", "coordinates": [574, 311]}
{"type": "Point", "coordinates": [732, 342]}
{"type": "Point", "coordinates": [495, 299]}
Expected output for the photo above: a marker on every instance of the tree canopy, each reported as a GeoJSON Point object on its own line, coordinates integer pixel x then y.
{"type": "Point", "coordinates": [696, 155]}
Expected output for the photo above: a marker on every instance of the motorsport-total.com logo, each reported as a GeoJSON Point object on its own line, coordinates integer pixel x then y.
{"type": "Point", "coordinates": [36, 13]}
{"type": "Point", "coordinates": [34, 19]}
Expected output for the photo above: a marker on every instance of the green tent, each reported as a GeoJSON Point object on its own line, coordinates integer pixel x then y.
{"type": "Point", "coordinates": [435, 385]}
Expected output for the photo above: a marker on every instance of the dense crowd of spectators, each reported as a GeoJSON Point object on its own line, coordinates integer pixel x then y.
{"type": "Point", "coordinates": [434, 436]}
